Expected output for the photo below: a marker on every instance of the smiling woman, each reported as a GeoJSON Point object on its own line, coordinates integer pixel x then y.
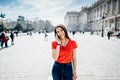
{"type": "Point", "coordinates": [64, 55]}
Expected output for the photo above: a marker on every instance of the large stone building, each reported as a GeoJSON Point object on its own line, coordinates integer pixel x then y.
{"type": "Point", "coordinates": [83, 19]}
{"type": "Point", "coordinates": [103, 15]}
{"type": "Point", "coordinates": [72, 20]}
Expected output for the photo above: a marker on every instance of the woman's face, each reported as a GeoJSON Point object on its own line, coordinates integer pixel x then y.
{"type": "Point", "coordinates": [60, 32]}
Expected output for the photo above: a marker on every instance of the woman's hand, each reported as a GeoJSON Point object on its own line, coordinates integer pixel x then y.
{"type": "Point", "coordinates": [58, 40]}
{"type": "Point", "coordinates": [74, 76]}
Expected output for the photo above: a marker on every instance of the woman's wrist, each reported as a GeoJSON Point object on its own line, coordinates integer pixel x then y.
{"type": "Point", "coordinates": [74, 71]}
{"type": "Point", "coordinates": [58, 44]}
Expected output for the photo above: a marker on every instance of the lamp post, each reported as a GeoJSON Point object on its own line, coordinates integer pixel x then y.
{"type": "Point", "coordinates": [91, 26]}
{"type": "Point", "coordinates": [104, 16]}
{"type": "Point", "coordinates": [115, 23]}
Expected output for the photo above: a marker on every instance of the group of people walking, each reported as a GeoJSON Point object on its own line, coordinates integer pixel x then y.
{"type": "Point", "coordinates": [4, 39]}
{"type": "Point", "coordinates": [111, 33]}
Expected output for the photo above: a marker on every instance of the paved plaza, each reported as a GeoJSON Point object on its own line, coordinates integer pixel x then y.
{"type": "Point", "coordinates": [30, 58]}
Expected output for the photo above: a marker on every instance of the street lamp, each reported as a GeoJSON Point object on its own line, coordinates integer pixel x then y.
{"type": "Point", "coordinates": [115, 23]}
{"type": "Point", "coordinates": [104, 16]}
{"type": "Point", "coordinates": [91, 26]}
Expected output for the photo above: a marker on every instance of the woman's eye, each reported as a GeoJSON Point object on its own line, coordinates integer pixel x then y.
{"type": "Point", "coordinates": [57, 32]}
{"type": "Point", "coordinates": [61, 30]}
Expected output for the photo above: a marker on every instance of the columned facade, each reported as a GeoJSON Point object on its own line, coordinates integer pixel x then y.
{"type": "Point", "coordinates": [105, 14]}
{"type": "Point", "coordinates": [102, 15]}
{"type": "Point", "coordinates": [83, 19]}
{"type": "Point", "coordinates": [71, 21]}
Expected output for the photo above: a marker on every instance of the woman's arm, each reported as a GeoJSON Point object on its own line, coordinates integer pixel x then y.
{"type": "Point", "coordinates": [55, 52]}
{"type": "Point", "coordinates": [74, 65]}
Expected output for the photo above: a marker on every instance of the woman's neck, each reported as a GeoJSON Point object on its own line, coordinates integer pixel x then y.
{"type": "Point", "coordinates": [64, 41]}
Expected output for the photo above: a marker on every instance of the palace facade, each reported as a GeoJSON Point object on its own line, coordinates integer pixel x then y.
{"type": "Point", "coordinates": [102, 15]}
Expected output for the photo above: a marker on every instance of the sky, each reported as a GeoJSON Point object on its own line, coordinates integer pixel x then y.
{"type": "Point", "coordinates": [53, 10]}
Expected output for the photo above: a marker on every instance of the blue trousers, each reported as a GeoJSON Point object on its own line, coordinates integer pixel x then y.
{"type": "Point", "coordinates": [62, 71]}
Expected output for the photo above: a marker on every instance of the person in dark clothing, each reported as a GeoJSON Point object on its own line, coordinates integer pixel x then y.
{"type": "Point", "coordinates": [109, 35]}
{"type": "Point", "coordinates": [0, 39]}
{"type": "Point", "coordinates": [118, 35]}
{"type": "Point", "coordinates": [12, 38]}
{"type": "Point", "coordinates": [73, 32]}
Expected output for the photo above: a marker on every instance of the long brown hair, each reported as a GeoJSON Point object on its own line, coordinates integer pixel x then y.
{"type": "Point", "coordinates": [65, 30]}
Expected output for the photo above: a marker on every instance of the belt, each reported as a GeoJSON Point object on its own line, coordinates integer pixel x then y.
{"type": "Point", "coordinates": [63, 63]}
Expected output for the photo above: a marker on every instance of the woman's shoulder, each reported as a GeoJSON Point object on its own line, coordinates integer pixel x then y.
{"type": "Point", "coordinates": [72, 41]}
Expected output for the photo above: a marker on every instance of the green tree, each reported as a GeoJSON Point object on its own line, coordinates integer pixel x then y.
{"type": "Point", "coordinates": [18, 27]}
{"type": "Point", "coordinates": [1, 23]}
{"type": "Point", "coordinates": [1, 27]}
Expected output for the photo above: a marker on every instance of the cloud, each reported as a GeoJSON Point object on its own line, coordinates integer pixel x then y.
{"type": "Point", "coordinates": [53, 10]}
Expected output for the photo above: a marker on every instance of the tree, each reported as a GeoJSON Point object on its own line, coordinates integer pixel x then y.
{"type": "Point", "coordinates": [2, 15]}
{"type": "Point", "coordinates": [1, 24]}
{"type": "Point", "coordinates": [48, 26]}
{"type": "Point", "coordinates": [18, 27]}
{"type": "Point", "coordinates": [1, 27]}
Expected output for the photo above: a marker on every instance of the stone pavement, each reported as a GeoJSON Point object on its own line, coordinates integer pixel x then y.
{"type": "Point", "coordinates": [30, 58]}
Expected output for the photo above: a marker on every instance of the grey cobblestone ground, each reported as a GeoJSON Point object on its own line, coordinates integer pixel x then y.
{"type": "Point", "coordinates": [30, 58]}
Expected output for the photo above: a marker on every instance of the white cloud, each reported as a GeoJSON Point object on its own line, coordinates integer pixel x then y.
{"type": "Point", "coordinates": [53, 10]}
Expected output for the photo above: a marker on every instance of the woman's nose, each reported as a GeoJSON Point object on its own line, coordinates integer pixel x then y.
{"type": "Point", "coordinates": [60, 32]}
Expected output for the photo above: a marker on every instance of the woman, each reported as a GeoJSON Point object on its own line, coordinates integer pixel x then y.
{"type": "Point", "coordinates": [64, 54]}
{"type": "Point", "coordinates": [12, 38]}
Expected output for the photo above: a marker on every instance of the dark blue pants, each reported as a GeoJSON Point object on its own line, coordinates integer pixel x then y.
{"type": "Point", "coordinates": [62, 71]}
{"type": "Point", "coordinates": [2, 43]}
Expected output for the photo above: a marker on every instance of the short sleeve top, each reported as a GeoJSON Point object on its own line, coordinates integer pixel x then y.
{"type": "Point", "coordinates": [66, 52]}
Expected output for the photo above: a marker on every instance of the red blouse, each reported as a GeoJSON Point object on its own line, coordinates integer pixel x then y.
{"type": "Point", "coordinates": [66, 52]}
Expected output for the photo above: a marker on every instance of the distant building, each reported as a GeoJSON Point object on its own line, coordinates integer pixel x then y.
{"type": "Point", "coordinates": [83, 19]}
{"type": "Point", "coordinates": [106, 14]}
{"type": "Point", "coordinates": [72, 20]}
{"type": "Point", "coordinates": [102, 14]}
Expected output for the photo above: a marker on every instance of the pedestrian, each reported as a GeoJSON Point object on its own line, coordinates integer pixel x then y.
{"type": "Point", "coordinates": [109, 35]}
{"type": "Point", "coordinates": [73, 32]}
{"type": "Point", "coordinates": [118, 35]}
{"type": "Point", "coordinates": [64, 55]}
{"type": "Point", "coordinates": [16, 32]}
{"type": "Point", "coordinates": [12, 38]}
{"type": "Point", "coordinates": [4, 39]}
{"type": "Point", "coordinates": [0, 38]}
{"type": "Point", "coordinates": [30, 33]}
